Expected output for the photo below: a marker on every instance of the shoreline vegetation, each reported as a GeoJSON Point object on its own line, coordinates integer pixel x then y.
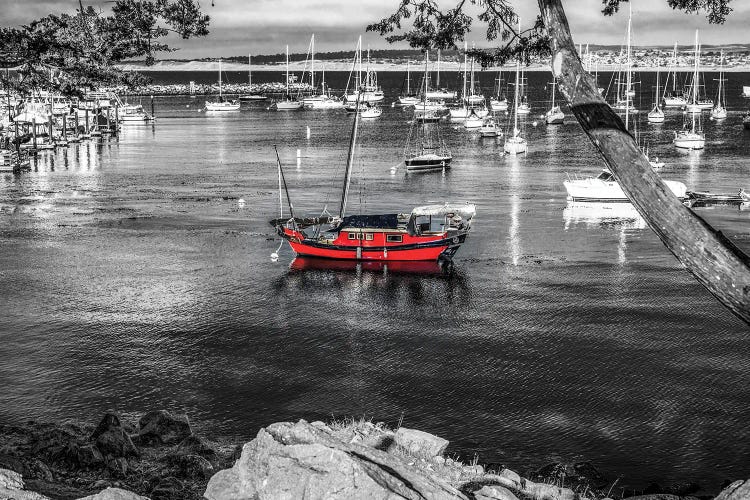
{"type": "Point", "coordinates": [160, 457]}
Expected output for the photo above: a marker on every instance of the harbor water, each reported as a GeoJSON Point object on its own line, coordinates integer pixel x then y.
{"type": "Point", "coordinates": [136, 274]}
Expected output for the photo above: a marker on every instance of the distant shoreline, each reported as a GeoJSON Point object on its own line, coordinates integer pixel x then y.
{"type": "Point", "coordinates": [298, 67]}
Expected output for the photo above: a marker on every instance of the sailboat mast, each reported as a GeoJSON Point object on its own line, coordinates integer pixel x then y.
{"type": "Point", "coordinates": [628, 77]}
{"type": "Point", "coordinates": [249, 69]}
{"type": "Point", "coordinates": [350, 158]}
{"type": "Point", "coordinates": [554, 81]}
{"type": "Point", "coordinates": [515, 99]}
{"type": "Point", "coordinates": [287, 70]}
{"type": "Point", "coordinates": [471, 88]}
{"type": "Point", "coordinates": [695, 79]}
{"type": "Point", "coordinates": [426, 64]}
{"type": "Point", "coordinates": [220, 79]}
{"type": "Point", "coordinates": [464, 92]}
{"type": "Point", "coordinates": [674, 67]}
{"type": "Point", "coordinates": [408, 90]}
{"type": "Point", "coordinates": [312, 61]}
{"type": "Point", "coordinates": [437, 79]}
{"type": "Point", "coordinates": [359, 70]}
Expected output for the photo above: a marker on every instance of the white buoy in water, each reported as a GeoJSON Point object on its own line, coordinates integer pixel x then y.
{"type": "Point", "coordinates": [274, 256]}
{"type": "Point", "coordinates": [308, 136]}
{"type": "Point", "coordinates": [241, 202]}
{"type": "Point", "coordinates": [534, 123]}
{"type": "Point", "coordinates": [393, 104]}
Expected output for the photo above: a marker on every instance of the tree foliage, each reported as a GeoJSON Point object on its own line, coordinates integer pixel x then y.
{"type": "Point", "coordinates": [424, 25]}
{"type": "Point", "coordinates": [72, 53]}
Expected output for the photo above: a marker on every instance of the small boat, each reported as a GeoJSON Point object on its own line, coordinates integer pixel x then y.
{"type": "Point", "coordinates": [499, 105]}
{"type": "Point", "coordinates": [656, 115]}
{"type": "Point", "coordinates": [719, 112]}
{"type": "Point", "coordinates": [524, 108]}
{"type": "Point", "coordinates": [288, 103]}
{"type": "Point", "coordinates": [427, 233]}
{"type": "Point", "coordinates": [251, 97]}
{"type": "Point", "coordinates": [554, 116]}
{"type": "Point", "coordinates": [489, 128]}
{"type": "Point", "coordinates": [499, 102]}
{"type": "Point", "coordinates": [365, 87]}
{"type": "Point", "coordinates": [515, 144]}
{"type": "Point", "coordinates": [605, 188]}
{"type": "Point", "coordinates": [707, 197]}
{"type": "Point", "coordinates": [473, 121]}
{"type": "Point", "coordinates": [440, 93]}
{"type": "Point", "coordinates": [222, 104]}
{"type": "Point", "coordinates": [424, 114]}
{"type": "Point", "coordinates": [694, 138]}
{"type": "Point", "coordinates": [428, 160]}
{"type": "Point", "coordinates": [408, 98]}
{"type": "Point", "coordinates": [371, 111]}
{"type": "Point", "coordinates": [133, 113]}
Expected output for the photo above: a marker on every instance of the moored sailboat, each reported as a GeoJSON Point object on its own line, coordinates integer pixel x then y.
{"type": "Point", "coordinates": [694, 138]}
{"type": "Point", "coordinates": [427, 233]}
{"type": "Point", "coordinates": [221, 104]}
{"type": "Point", "coordinates": [656, 115]}
{"type": "Point", "coordinates": [515, 144]}
{"type": "Point", "coordinates": [554, 116]}
{"type": "Point", "coordinates": [288, 103]}
{"type": "Point", "coordinates": [719, 112]}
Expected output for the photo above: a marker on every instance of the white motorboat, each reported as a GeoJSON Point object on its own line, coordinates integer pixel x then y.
{"type": "Point", "coordinates": [605, 188]}
{"type": "Point", "coordinates": [489, 128]}
{"type": "Point", "coordinates": [288, 103]}
{"type": "Point", "coordinates": [222, 104]}
{"type": "Point", "coordinates": [133, 113]}
{"type": "Point", "coordinates": [693, 138]}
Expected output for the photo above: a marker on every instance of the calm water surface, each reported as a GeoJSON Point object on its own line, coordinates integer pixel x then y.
{"type": "Point", "coordinates": [132, 279]}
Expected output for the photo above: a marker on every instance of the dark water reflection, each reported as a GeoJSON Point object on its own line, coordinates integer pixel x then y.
{"type": "Point", "coordinates": [132, 278]}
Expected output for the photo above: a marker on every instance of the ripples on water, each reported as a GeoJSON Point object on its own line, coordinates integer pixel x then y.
{"type": "Point", "coordinates": [132, 280]}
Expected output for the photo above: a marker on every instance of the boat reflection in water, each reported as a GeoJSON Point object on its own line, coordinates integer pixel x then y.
{"type": "Point", "coordinates": [589, 213]}
{"type": "Point", "coordinates": [429, 268]}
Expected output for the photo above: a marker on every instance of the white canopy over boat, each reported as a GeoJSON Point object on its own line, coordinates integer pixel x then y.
{"type": "Point", "coordinates": [465, 210]}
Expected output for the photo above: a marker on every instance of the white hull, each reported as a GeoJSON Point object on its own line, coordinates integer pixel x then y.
{"type": "Point", "coordinates": [523, 109]}
{"type": "Point", "coordinates": [490, 132]}
{"type": "Point", "coordinates": [222, 106]}
{"type": "Point", "coordinates": [371, 113]}
{"type": "Point", "coordinates": [554, 116]}
{"type": "Point", "coordinates": [367, 96]}
{"type": "Point", "coordinates": [656, 115]}
{"type": "Point", "coordinates": [473, 122]}
{"type": "Point", "coordinates": [689, 140]}
{"type": "Point", "coordinates": [459, 114]}
{"type": "Point", "coordinates": [718, 113]}
{"type": "Point", "coordinates": [408, 101]}
{"type": "Point", "coordinates": [288, 105]}
{"type": "Point", "coordinates": [441, 94]}
{"type": "Point", "coordinates": [322, 102]}
{"type": "Point", "coordinates": [595, 189]}
{"type": "Point", "coordinates": [675, 102]}
{"type": "Point", "coordinates": [499, 105]}
{"type": "Point", "coordinates": [515, 145]}
{"type": "Point", "coordinates": [745, 91]}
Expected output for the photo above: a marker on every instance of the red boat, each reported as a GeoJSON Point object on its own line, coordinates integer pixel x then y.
{"type": "Point", "coordinates": [425, 234]}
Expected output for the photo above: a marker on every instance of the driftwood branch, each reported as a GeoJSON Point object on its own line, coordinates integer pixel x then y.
{"type": "Point", "coordinates": [711, 257]}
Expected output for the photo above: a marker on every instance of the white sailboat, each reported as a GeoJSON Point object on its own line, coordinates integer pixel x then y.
{"type": "Point", "coordinates": [515, 144]}
{"type": "Point", "coordinates": [221, 104]}
{"type": "Point", "coordinates": [499, 102]}
{"type": "Point", "coordinates": [469, 101]}
{"type": "Point", "coordinates": [624, 101]}
{"type": "Point", "coordinates": [324, 99]}
{"type": "Point", "coordinates": [440, 93]}
{"type": "Point", "coordinates": [554, 116]}
{"type": "Point", "coordinates": [656, 115]}
{"type": "Point", "coordinates": [696, 104]}
{"type": "Point", "coordinates": [720, 109]}
{"type": "Point", "coordinates": [675, 98]}
{"type": "Point", "coordinates": [251, 97]}
{"type": "Point", "coordinates": [288, 103]}
{"type": "Point", "coordinates": [425, 109]}
{"type": "Point", "coordinates": [694, 138]}
{"type": "Point", "coordinates": [367, 85]}
{"type": "Point", "coordinates": [408, 99]}
{"type": "Point", "coordinates": [524, 108]}
{"type": "Point", "coordinates": [489, 128]}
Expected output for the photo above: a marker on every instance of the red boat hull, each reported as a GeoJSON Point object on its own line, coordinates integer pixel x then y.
{"type": "Point", "coordinates": [428, 249]}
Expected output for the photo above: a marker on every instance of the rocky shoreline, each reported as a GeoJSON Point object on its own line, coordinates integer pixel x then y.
{"type": "Point", "coordinates": [160, 457]}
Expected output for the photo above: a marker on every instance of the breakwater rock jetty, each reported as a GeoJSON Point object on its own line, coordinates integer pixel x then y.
{"type": "Point", "coordinates": [159, 456]}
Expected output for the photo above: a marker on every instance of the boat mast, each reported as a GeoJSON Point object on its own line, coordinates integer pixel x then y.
{"type": "Point", "coordinates": [408, 90]}
{"type": "Point", "coordinates": [471, 88]}
{"type": "Point", "coordinates": [515, 98]}
{"type": "Point", "coordinates": [359, 71]}
{"type": "Point", "coordinates": [312, 61]}
{"type": "Point", "coordinates": [464, 91]}
{"type": "Point", "coordinates": [249, 69]}
{"type": "Point", "coordinates": [219, 79]}
{"type": "Point", "coordinates": [695, 78]}
{"type": "Point", "coordinates": [350, 158]}
{"type": "Point", "coordinates": [287, 71]}
{"type": "Point", "coordinates": [674, 69]}
{"type": "Point", "coordinates": [437, 79]}
{"type": "Point", "coordinates": [627, 76]}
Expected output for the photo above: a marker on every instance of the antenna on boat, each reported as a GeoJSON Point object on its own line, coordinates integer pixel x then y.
{"type": "Point", "coordinates": [350, 159]}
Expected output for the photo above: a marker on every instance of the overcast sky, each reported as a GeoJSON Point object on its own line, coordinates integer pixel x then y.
{"type": "Point", "coordinates": [266, 26]}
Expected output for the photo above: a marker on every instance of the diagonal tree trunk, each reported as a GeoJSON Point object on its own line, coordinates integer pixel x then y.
{"type": "Point", "coordinates": [712, 258]}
